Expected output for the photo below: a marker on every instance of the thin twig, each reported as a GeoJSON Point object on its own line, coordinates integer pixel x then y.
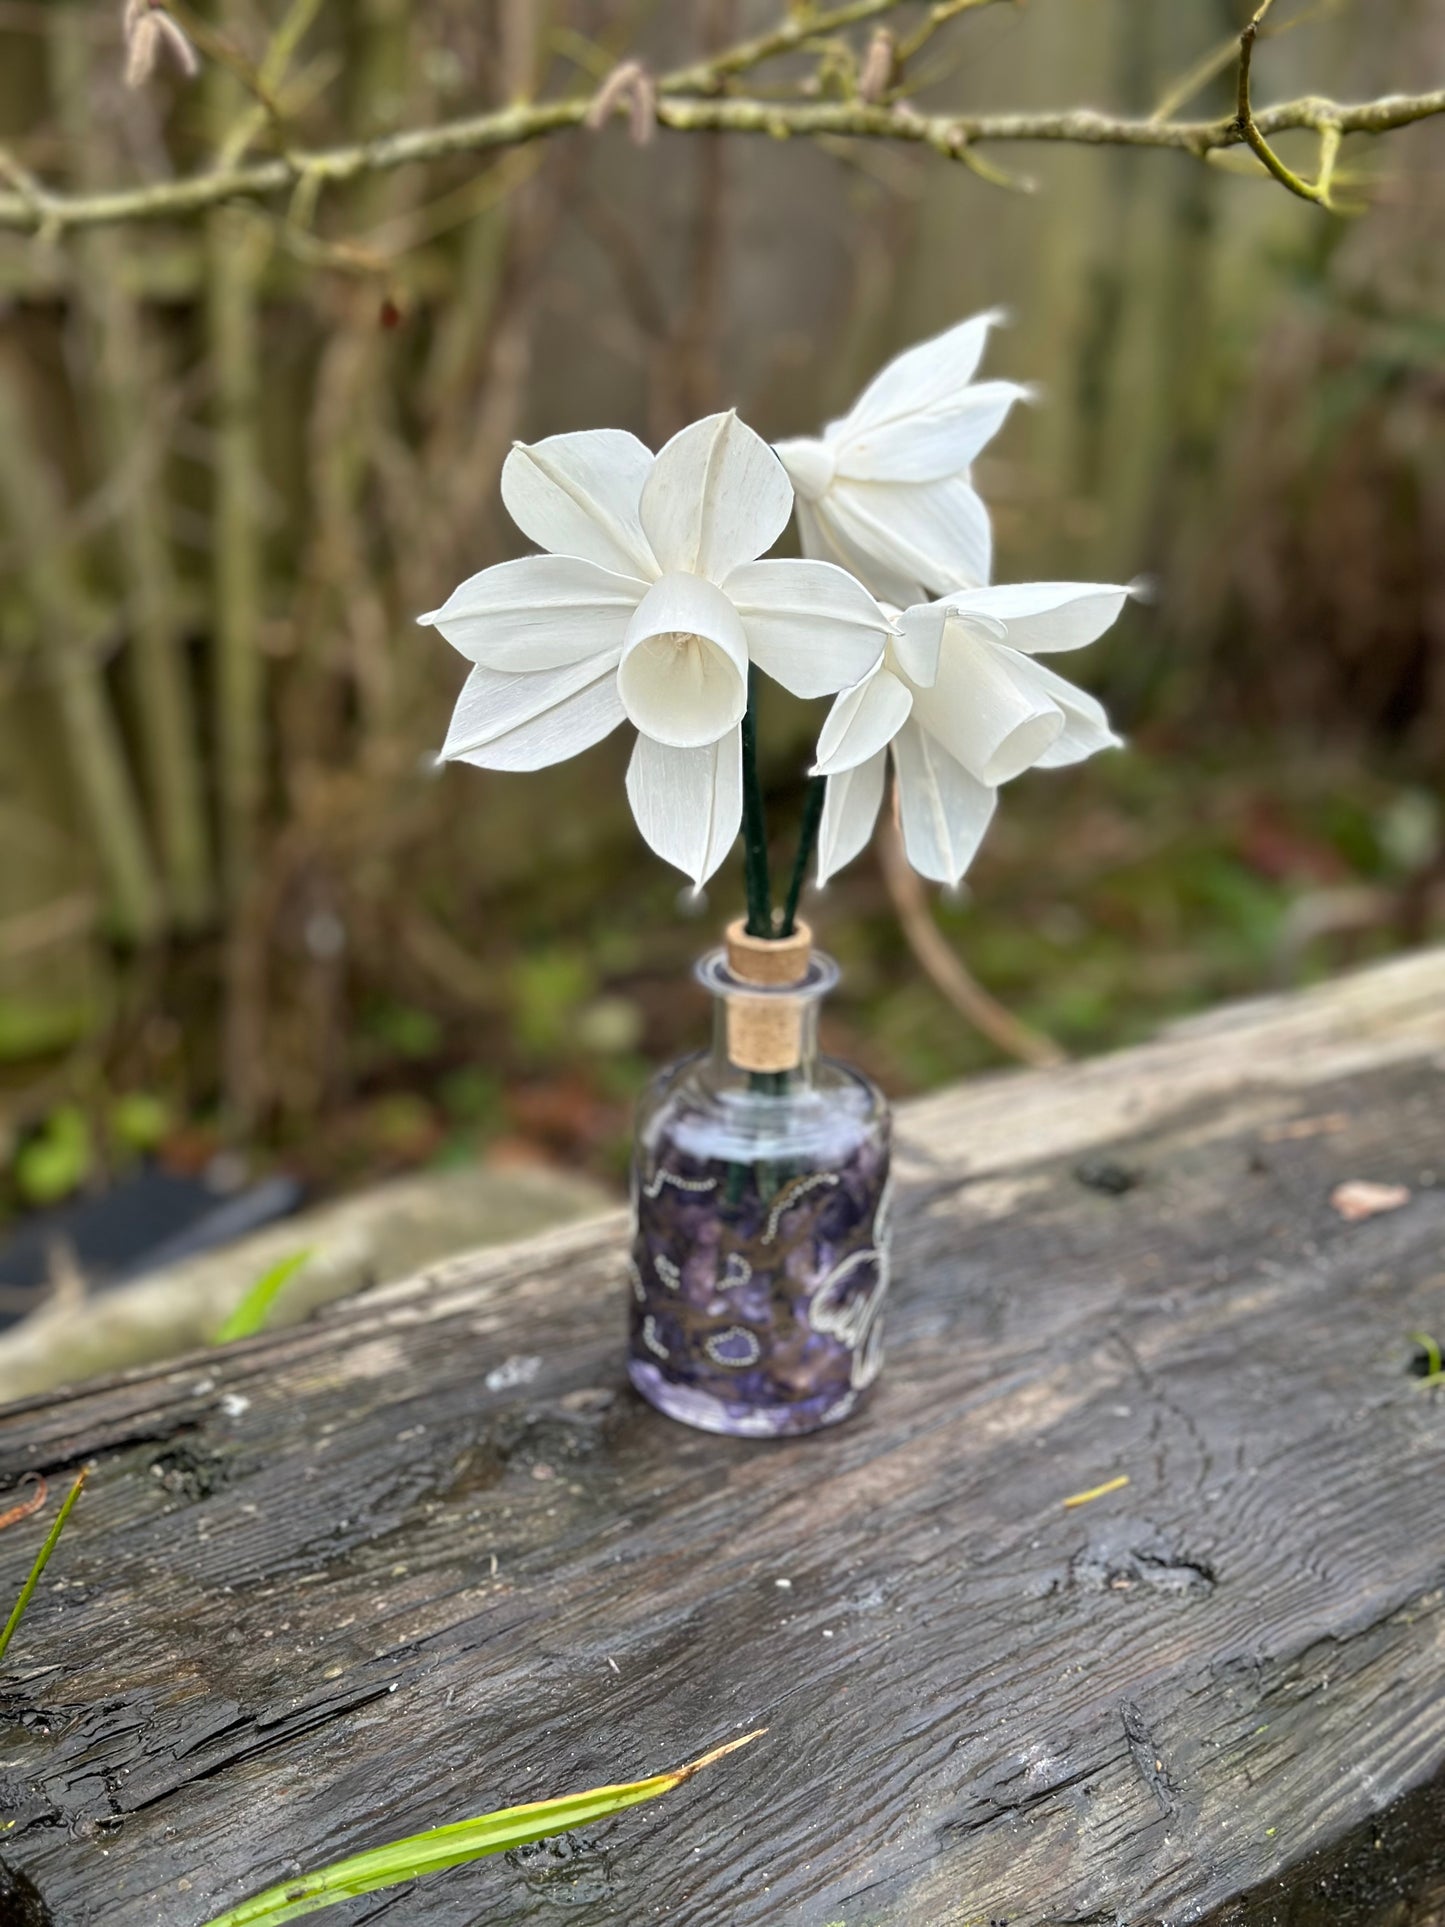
{"type": "Point", "coordinates": [937, 16]}
{"type": "Point", "coordinates": [1326, 123]}
{"type": "Point", "coordinates": [218, 48]}
{"type": "Point", "coordinates": [27, 189]}
{"type": "Point", "coordinates": [994, 175]}
{"type": "Point", "coordinates": [270, 75]}
{"type": "Point", "coordinates": [1222, 56]}
{"type": "Point", "coordinates": [803, 24]}
{"type": "Point", "coordinates": [942, 966]}
{"type": "Point", "coordinates": [26, 1508]}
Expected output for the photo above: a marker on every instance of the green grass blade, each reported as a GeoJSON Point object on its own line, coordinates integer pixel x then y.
{"type": "Point", "coordinates": [42, 1559]}
{"type": "Point", "coordinates": [452, 1846]}
{"type": "Point", "coordinates": [1433, 1371]}
{"type": "Point", "coordinates": [251, 1314]}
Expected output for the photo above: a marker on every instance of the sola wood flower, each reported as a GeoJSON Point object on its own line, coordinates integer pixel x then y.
{"type": "Point", "coordinates": [960, 701]}
{"type": "Point", "coordinates": [649, 605]}
{"type": "Point", "coordinates": [886, 492]}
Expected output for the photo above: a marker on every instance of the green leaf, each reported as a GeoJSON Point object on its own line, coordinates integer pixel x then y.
{"type": "Point", "coordinates": [36, 1026]}
{"type": "Point", "coordinates": [139, 1121]}
{"type": "Point", "coordinates": [548, 988]}
{"type": "Point", "coordinates": [472, 1096]}
{"type": "Point", "coordinates": [41, 1560]}
{"type": "Point", "coordinates": [251, 1314]}
{"type": "Point", "coordinates": [454, 1846]}
{"type": "Point", "coordinates": [58, 1160]}
{"type": "Point", "coordinates": [1434, 1370]}
{"type": "Point", "coordinates": [405, 1029]}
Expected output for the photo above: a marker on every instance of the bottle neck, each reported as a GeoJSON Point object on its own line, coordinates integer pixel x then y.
{"type": "Point", "coordinates": [729, 1023]}
{"type": "Point", "coordinates": [765, 1034]}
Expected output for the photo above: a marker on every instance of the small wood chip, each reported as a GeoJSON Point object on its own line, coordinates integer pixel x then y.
{"type": "Point", "coordinates": [1098, 1491]}
{"type": "Point", "coordinates": [1359, 1198]}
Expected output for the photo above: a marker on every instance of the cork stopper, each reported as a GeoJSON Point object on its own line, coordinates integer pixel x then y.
{"type": "Point", "coordinates": [766, 1033]}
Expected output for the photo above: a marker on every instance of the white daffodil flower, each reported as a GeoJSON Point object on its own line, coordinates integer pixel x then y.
{"type": "Point", "coordinates": [648, 605]}
{"type": "Point", "coordinates": [886, 492]}
{"type": "Point", "coordinates": [963, 705]}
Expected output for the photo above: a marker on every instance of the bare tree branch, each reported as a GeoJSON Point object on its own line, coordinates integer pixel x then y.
{"type": "Point", "coordinates": [691, 100]}
{"type": "Point", "coordinates": [946, 969]}
{"type": "Point", "coordinates": [802, 25]}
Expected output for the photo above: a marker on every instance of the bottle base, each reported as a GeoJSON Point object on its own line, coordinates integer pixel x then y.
{"type": "Point", "coordinates": [706, 1413]}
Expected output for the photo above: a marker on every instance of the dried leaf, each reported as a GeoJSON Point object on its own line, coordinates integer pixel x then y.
{"type": "Point", "coordinates": [143, 42]}
{"type": "Point", "coordinates": [1360, 1198]}
{"type": "Point", "coordinates": [181, 51]}
{"type": "Point", "coordinates": [875, 76]}
{"type": "Point", "coordinates": [628, 84]}
{"type": "Point", "coordinates": [148, 30]}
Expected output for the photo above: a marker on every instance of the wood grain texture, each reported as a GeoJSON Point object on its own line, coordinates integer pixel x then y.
{"type": "Point", "coordinates": [330, 1586]}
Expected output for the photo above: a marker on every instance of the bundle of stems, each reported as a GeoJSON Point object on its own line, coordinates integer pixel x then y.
{"type": "Point", "coordinates": [763, 921]}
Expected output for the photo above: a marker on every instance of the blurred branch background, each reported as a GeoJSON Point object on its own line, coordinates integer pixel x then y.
{"type": "Point", "coordinates": [239, 451]}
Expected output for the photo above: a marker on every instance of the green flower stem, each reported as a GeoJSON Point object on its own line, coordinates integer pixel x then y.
{"type": "Point", "coordinates": [755, 829]}
{"type": "Point", "coordinates": [807, 843]}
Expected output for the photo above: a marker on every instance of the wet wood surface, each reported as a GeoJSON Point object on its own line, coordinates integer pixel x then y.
{"type": "Point", "coordinates": [428, 1555]}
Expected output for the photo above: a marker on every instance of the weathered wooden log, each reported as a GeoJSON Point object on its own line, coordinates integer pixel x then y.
{"type": "Point", "coordinates": [428, 1555]}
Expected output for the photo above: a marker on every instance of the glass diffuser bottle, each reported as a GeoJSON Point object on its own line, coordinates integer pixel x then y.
{"type": "Point", "coordinates": [760, 1184]}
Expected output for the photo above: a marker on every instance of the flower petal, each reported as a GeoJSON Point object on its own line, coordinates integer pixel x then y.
{"type": "Point", "coordinates": [809, 463]}
{"type": "Point", "coordinates": [919, 642]}
{"type": "Point", "coordinates": [825, 536]}
{"type": "Point", "coordinates": [932, 443]}
{"type": "Point", "coordinates": [684, 672]}
{"type": "Point", "coordinates": [842, 529]}
{"type": "Point", "coordinates": [810, 625]}
{"type": "Point", "coordinates": [538, 613]}
{"type": "Point", "coordinates": [688, 802]}
{"type": "Point", "coordinates": [579, 495]}
{"type": "Point", "coordinates": [916, 647]}
{"type": "Point", "coordinates": [945, 810]}
{"type": "Point", "coordinates": [717, 496]}
{"type": "Point", "coordinates": [1086, 727]}
{"type": "Point", "coordinates": [850, 809]}
{"type": "Point", "coordinates": [921, 378]}
{"type": "Point", "coordinates": [863, 721]}
{"type": "Point", "coordinates": [811, 538]}
{"type": "Point", "coordinates": [526, 722]}
{"type": "Point", "coordinates": [1045, 616]}
{"type": "Point", "coordinates": [915, 540]}
{"type": "Point", "coordinates": [989, 719]}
